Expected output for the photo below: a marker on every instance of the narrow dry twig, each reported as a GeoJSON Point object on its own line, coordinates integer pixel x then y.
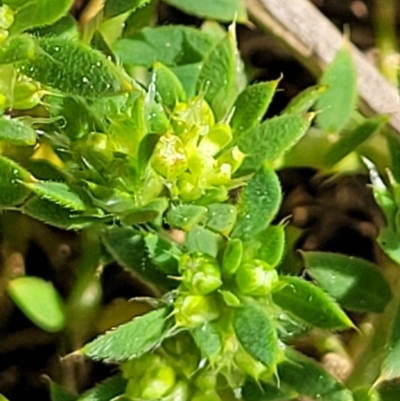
{"type": "Point", "coordinates": [314, 40]}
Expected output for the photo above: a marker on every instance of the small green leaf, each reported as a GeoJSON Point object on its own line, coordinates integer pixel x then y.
{"type": "Point", "coordinates": [145, 214]}
{"type": "Point", "coordinates": [188, 75]}
{"type": "Point", "coordinates": [58, 193]}
{"type": "Point", "coordinates": [208, 340]}
{"type": "Point", "coordinates": [391, 364]}
{"type": "Point", "coordinates": [185, 217]}
{"type": "Point", "coordinates": [356, 284]}
{"type": "Point", "coordinates": [233, 256]}
{"type": "Point", "coordinates": [258, 204]}
{"type": "Point", "coordinates": [221, 10]}
{"type": "Point", "coordinates": [349, 141]}
{"type": "Point", "coordinates": [309, 379]}
{"type": "Point", "coordinates": [105, 391]}
{"type": "Point", "coordinates": [168, 86]}
{"type": "Point", "coordinates": [170, 45]}
{"type": "Point", "coordinates": [59, 393]}
{"type": "Point", "coordinates": [251, 106]}
{"type": "Point", "coordinates": [273, 245]}
{"type": "Point", "coordinates": [128, 247]}
{"type": "Point", "coordinates": [311, 304]}
{"type": "Point", "coordinates": [221, 217]}
{"type": "Point", "coordinates": [56, 215]}
{"type": "Point", "coordinates": [12, 192]}
{"type": "Point", "coordinates": [163, 253]}
{"type": "Point", "coordinates": [39, 301]}
{"type": "Point", "coordinates": [129, 340]}
{"type": "Point", "coordinates": [218, 76]}
{"type": "Point", "coordinates": [113, 8]}
{"type": "Point", "coordinates": [66, 27]}
{"type": "Point", "coordinates": [74, 69]}
{"type": "Point", "coordinates": [37, 12]}
{"type": "Point", "coordinates": [270, 140]}
{"type": "Point", "coordinates": [252, 391]}
{"type": "Point", "coordinates": [257, 334]}
{"type": "Point", "coordinates": [199, 239]}
{"type": "Point", "coordinates": [304, 100]}
{"type": "Point", "coordinates": [17, 48]}
{"type": "Point", "coordinates": [338, 102]}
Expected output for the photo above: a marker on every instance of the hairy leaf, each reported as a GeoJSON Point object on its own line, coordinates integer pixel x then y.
{"type": "Point", "coordinates": [12, 192]}
{"type": "Point", "coordinates": [17, 48]}
{"type": "Point", "coordinates": [208, 340]}
{"type": "Point", "coordinates": [349, 141]}
{"type": "Point", "coordinates": [338, 102]}
{"type": "Point", "coordinates": [221, 217]}
{"type": "Point", "coordinates": [252, 391]}
{"type": "Point", "coordinates": [270, 140]}
{"type": "Point", "coordinates": [251, 106]}
{"type": "Point", "coordinates": [127, 246]}
{"type": "Point", "coordinates": [58, 193]}
{"type": "Point", "coordinates": [258, 204]}
{"type": "Point", "coordinates": [74, 69]}
{"type": "Point", "coordinates": [218, 76]}
{"type": "Point", "coordinates": [356, 284]}
{"type": "Point", "coordinates": [305, 100]}
{"type": "Point", "coordinates": [185, 217]}
{"type": "Point", "coordinates": [129, 340]}
{"type": "Point", "coordinates": [273, 244]}
{"type": "Point", "coordinates": [39, 301]}
{"type": "Point", "coordinates": [199, 239]}
{"type": "Point", "coordinates": [311, 304]}
{"type": "Point", "coordinates": [309, 379]}
{"type": "Point", "coordinates": [257, 334]}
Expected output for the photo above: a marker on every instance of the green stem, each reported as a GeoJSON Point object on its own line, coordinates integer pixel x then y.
{"type": "Point", "coordinates": [385, 27]}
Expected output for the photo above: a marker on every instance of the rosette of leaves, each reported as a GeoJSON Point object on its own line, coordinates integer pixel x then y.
{"type": "Point", "coordinates": [134, 163]}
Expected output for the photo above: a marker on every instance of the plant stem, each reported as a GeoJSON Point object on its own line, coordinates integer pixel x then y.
{"type": "Point", "coordinates": [385, 27]}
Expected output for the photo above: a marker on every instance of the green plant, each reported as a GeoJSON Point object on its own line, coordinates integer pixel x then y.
{"type": "Point", "coordinates": [137, 139]}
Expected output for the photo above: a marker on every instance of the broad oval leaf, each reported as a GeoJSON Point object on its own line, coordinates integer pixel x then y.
{"type": "Point", "coordinates": [311, 304]}
{"type": "Point", "coordinates": [356, 284]}
{"type": "Point", "coordinates": [273, 245]}
{"type": "Point", "coordinates": [349, 141]}
{"type": "Point", "coordinates": [199, 239]}
{"type": "Point", "coordinates": [131, 339]}
{"type": "Point", "coordinates": [12, 192]}
{"type": "Point", "coordinates": [221, 217]}
{"type": "Point", "coordinates": [219, 76]}
{"type": "Point", "coordinates": [258, 204]}
{"type": "Point", "coordinates": [208, 340]}
{"type": "Point", "coordinates": [39, 301]}
{"type": "Point", "coordinates": [221, 10]}
{"type": "Point", "coordinates": [185, 217]}
{"type": "Point", "coordinates": [257, 334]}
{"type": "Point", "coordinates": [74, 69]}
{"type": "Point", "coordinates": [309, 379]}
{"type": "Point", "coordinates": [251, 106]}
{"type": "Point", "coordinates": [170, 45]}
{"type": "Point", "coordinates": [106, 390]}
{"type": "Point", "coordinates": [58, 193]}
{"type": "Point", "coordinates": [270, 140]}
{"type": "Point", "coordinates": [339, 100]}
{"type": "Point", "coordinates": [37, 12]}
